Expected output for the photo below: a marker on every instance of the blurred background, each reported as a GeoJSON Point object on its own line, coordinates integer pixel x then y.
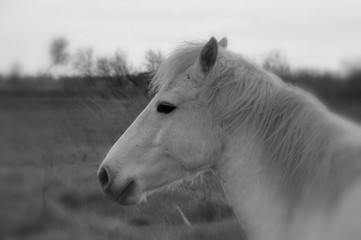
{"type": "Point", "coordinates": [75, 74]}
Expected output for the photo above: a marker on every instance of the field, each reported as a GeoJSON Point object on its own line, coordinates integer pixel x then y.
{"type": "Point", "coordinates": [50, 150]}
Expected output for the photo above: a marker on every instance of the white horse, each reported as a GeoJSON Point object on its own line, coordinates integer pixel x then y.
{"type": "Point", "coordinates": [290, 168]}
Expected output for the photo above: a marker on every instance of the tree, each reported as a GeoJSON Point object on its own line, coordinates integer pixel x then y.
{"type": "Point", "coordinates": [84, 62]}
{"type": "Point", "coordinates": [153, 60]}
{"type": "Point", "coordinates": [58, 53]}
{"type": "Point", "coordinates": [15, 73]}
{"type": "Point", "coordinates": [104, 67]}
{"type": "Point", "coordinates": [119, 64]}
{"type": "Point", "coordinates": [275, 62]}
{"type": "Point", "coordinates": [114, 68]}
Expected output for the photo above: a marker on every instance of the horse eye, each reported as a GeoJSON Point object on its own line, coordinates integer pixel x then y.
{"type": "Point", "coordinates": [164, 107]}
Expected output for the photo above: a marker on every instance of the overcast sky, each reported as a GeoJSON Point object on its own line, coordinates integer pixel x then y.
{"type": "Point", "coordinates": [310, 33]}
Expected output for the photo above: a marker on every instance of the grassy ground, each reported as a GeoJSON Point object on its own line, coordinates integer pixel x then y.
{"type": "Point", "coordinates": [50, 150]}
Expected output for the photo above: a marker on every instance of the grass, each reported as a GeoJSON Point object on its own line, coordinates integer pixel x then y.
{"type": "Point", "coordinates": [50, 150]}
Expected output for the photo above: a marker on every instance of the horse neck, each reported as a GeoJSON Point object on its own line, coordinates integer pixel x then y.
{"type": "Point", "coordinates": [257, 202]}
{"type": "Point", "coordinates": [256, 208]}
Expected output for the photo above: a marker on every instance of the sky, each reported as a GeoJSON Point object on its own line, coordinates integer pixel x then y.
{"type": "Point", "coordinates": [310, 33]}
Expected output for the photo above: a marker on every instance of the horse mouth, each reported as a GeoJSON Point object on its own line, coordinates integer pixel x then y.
{"type": "Point", "coordinates": [126, 193]}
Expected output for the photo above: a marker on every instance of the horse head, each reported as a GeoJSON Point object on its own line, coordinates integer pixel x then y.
{"type": "Point", "coordinates": [173, 138]}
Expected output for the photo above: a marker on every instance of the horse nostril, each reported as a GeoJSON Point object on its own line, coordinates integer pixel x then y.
{"type": "Point", "coordinates": [104, 177]}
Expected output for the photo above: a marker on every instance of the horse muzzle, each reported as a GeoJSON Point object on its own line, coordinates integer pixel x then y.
{"type": "Point", "coordinates": [125, 192]}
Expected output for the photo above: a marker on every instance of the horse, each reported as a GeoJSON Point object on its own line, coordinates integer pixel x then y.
{"type": "Point", "coordinates": [290, 167]}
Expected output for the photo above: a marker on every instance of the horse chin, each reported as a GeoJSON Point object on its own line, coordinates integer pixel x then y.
{"type": "Point", "coordinates": [128, 194]}
{"type": "Point", "coordinates": [129, 200]}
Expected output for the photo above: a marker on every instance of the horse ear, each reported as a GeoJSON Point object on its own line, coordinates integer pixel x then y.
{"type": "Point", "coordinates": [223, 42]}
{"type": "Point", "coordinates": [208, 56]}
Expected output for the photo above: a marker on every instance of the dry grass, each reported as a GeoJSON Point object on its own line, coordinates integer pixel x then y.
{"type": "Point", "coordinates": [50, 150]}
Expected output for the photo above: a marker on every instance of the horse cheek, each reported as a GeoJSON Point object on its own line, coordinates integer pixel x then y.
{"type": "Point", "coordinates": [192, 152]}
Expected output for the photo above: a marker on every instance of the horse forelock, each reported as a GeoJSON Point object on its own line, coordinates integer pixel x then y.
{"type": "Point", "coordinates": [178, 62]}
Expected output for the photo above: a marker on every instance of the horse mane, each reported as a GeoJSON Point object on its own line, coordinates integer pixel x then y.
{"type": "Point", "coordinates": [179, 60]}
{"type": "Point", "coordinates": [300, 153]}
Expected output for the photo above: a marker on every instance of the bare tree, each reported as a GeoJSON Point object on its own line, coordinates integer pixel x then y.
{"type": "Point", "coordinates": [119, 64]}
{"type": "Point", "coordinates": [115, 68]}
{"type": "Point", "coordinates": [275, 62]}
{"type": "Point", "coordinates": [104, 67]}
{"type": "Point", "coordinates": [84, 62]}
{"type": "Point", "coordinates": [15, 73]}
{"type": "Point", "coordinates": [153, 59]}
{"type": "Point", "coordinates": [58, 53]}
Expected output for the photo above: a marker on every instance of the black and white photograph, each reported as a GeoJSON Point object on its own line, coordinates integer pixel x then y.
{"type": "Point", "coordinates": [180, 120]}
